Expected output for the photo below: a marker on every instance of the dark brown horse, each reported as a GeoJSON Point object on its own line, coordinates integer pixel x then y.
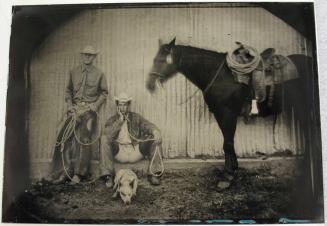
{"type": "Point", "coordinates": [225, 97]}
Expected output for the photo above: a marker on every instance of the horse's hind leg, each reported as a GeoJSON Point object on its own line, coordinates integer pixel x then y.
{"type": "Point", "coordinates": [227, 120]}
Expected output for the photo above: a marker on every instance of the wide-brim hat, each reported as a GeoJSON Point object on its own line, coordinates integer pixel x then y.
{"type": "Point", "coordinates": [89, 50]}
{"type": "Point", "coordinates": [123, 97]}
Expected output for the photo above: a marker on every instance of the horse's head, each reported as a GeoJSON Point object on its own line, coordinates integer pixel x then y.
{"type": "Point", "coordinates": [164, 65]}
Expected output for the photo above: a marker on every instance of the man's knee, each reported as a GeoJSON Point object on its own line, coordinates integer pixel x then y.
{"type": "Point", "coordinates": [105, 140]}
{"type": "Point", "coordinates": [147, 148]}
{"type": "Point", "coordinates": [108, 145]}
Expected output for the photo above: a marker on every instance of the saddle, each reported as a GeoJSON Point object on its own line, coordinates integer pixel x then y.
{"type": "Point", "coordinates": [274, 69]}
{"type": "Point", "coordinates": [278, 68]}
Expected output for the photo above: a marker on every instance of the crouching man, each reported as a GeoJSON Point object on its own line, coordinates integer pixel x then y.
{"type": "Point", "coordinates": [127, 138]}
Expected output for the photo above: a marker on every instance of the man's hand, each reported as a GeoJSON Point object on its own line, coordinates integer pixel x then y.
{"type": "Point", "coordinates": [81, 110]}
{"type": "Point", "coordinates": [121, 116]}
{"type": "Point", "coordinates": [71, 110]}
{"type": "Point", "coordinates": [93, 107]}
{"type": "Point", "coordinates": [157, 137]}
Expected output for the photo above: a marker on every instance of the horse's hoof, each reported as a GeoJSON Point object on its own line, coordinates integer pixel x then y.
{"type": "Point", "coordinates": [222, 185]}
{"type": "Point", "coordinates": [229, 176]}
{"type": "Point", "coordinates": [230, 170]}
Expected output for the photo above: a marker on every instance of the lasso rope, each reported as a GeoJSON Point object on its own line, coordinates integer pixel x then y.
{"type": "Point", "coordinates": [245, 68]}
{"type": "Point", "coordinates": [156, 152]}
{"type": "Point", "coordinates": [71, 129]}
{"type": "Point", "coordinates": [68, 132]}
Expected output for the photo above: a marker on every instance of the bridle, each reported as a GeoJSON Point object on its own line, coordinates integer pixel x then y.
{"type": "Point", "coordinates": [154, 73]}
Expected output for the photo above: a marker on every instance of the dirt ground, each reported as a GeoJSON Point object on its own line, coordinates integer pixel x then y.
{"type": "Point", "coordinates": [186, 195]}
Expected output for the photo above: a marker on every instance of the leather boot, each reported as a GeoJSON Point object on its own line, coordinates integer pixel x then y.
{"type": "Point", "coordinates": [62, 179]}
{"type": "Point", "coordinates": [109, 181]}
{"type": "Point", "coordinates": [154, 180]}
{"type": "Point", "coordinates": [75, 180]}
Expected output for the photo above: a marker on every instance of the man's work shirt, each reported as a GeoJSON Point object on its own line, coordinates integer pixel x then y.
{"type": "Point", "coordinates": [128, 152]}
{"type": "Point", "coordinates": [86, 84]}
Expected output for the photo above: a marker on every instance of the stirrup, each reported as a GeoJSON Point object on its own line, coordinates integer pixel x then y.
{"type": "Point", "coordinates": [254, 108]}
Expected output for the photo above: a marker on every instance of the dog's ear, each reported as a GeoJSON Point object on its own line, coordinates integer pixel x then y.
{"type": "Point", "coordinates": [116, 189]}
{"type": "Point", "coordinates": [134, 185]}
{"type": "Point", "coordinates": [115, 194]}
{"type": "Point", "coordinates": [115, 185]}
{"type": "Point", "coordinates": [131, 183]}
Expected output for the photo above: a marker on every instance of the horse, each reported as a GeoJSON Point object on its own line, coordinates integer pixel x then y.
{"type": "Point", "coordinates": [224, 97]}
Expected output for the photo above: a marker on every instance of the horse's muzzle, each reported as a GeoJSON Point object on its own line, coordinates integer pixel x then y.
{"type": "Point", "coordinates": [151, 83]}
{"type": "Point", "coordinates": [154, 80]}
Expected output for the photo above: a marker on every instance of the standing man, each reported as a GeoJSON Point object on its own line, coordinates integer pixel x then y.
{"type": "Point", "coordinates": [86, 91]}
{"type": "Point", "coordinates": [128, 138]}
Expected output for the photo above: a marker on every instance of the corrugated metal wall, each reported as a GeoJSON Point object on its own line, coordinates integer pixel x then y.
{"type": "Point", "coordinates": [128, 41]}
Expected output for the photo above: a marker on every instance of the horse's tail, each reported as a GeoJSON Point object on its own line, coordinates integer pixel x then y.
{"type": "Point", "coordinates": [306, 113]}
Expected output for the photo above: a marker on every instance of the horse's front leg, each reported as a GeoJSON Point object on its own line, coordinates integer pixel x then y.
{"type": "Point", "coordinates": [227, 120]}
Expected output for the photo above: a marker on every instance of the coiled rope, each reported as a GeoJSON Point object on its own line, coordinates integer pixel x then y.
{"type": "Point", "coordinates": [68, 132]}
{"type": "Point", "coordinates": [71, 129]}
{"type": "Point", "coordinates": [156, 152]}
{"type": "Point", "coordinates": [245, 68]}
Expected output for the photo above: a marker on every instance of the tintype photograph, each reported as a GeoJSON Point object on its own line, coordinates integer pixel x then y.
{"type": "Point", "coordinates": [192, 113]}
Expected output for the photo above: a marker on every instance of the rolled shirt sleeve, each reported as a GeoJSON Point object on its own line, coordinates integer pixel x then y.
{"type": "Point", "coordinates": [69, 91]}
{"type": "Point", "coordinates": [103, 92]}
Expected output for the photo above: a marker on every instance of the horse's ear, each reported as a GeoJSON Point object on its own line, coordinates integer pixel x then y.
{"type": "Point", "coordinates": [160, 42]}
{"type": "Point", "coordinates": [172, 43]}
{"type": "Point", "coordinates": [240, 45]}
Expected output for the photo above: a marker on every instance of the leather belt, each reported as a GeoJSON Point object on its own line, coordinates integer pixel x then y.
{"type": "Point", "coordinates": [81, 103]}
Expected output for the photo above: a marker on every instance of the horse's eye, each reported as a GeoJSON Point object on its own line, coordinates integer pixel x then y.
{"type": "Point", "coordinates": [123, 194]}
{"type": "Point", "coordinates": [160, 60]}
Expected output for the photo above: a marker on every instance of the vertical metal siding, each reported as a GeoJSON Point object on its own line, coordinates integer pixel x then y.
{"type": "Point", "coordinates": [128, 41]}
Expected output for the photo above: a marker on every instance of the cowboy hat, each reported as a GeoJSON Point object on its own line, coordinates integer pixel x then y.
{"type": "Point", "coordinates": [122, 97]}
{"type": "Point", "coordinates": [89, 50]}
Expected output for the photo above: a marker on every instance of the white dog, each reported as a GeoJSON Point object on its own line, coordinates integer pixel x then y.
{"type": "Point", "coordinates": [126, 184]}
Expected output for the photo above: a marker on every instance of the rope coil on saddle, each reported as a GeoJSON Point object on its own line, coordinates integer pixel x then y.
{"type": "Point", "coordinates": [243, 68]}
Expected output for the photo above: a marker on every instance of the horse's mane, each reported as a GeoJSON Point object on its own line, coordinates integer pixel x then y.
{"type": "Point", "coordinates": [198, 51]}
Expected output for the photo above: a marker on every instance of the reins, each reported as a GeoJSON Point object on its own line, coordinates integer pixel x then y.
{"type": "Point", "coordinates": [208, 86]}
